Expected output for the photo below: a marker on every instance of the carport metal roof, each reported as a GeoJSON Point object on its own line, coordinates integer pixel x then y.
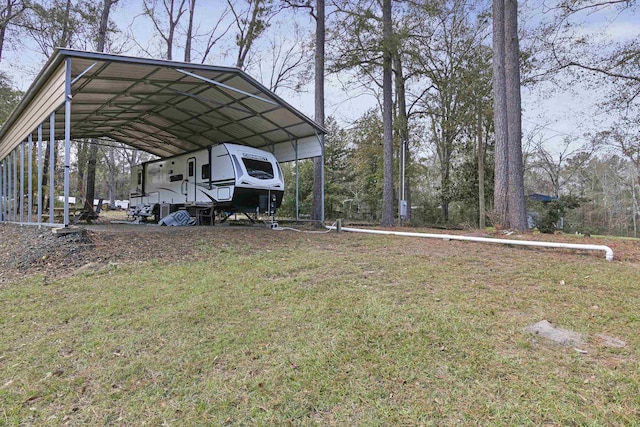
{"type": "Point", "coordinates": [162, 107]}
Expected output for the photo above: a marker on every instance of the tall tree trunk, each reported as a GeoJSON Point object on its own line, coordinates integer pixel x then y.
{"type": "Point", "coordinates": [63, 40]}
{"type": "Point", "coordinates": [104, 24]}
{"type": "Point", "coordinates": [316, 206]}
{"type": "Point", "coordinates": [112, 176]}
{"type": "Point", "coordinates": [91, 172]}
{"type": "Point", "coordinates": [403, 130]}
{"type": "Point", "coordinates": [5, 22]}
{"type": "Point", "coordinates": [444, 210]}
{"type": "Point", "coordinates": [446, 190]}
{"type": "Point", "coordinates": [387, 117]}
{"type": "Point", "coordinates": [249, 33]}
{"type": "Point", "coordinates": [481, 208]}
{"type": "Point", "coordinates": [92, 160]}
{"type": "Point", "coordinates": [173, 16]}
{"type": "Point", "coordinates": [501, 166]}
{"type": "Point", "coordinates": [635, 211]}
{"type": "Point", "coordinates": [66, 35]}
{"type": "Point", "coordinates": [8, 15]}
{"type": "Point", "coordinates": [187, 47]}
{"type": "Point", "coordinates": [173, 22]}
{"type": "Point", "coordinates": [45, 169]}
{"type": "Point", "coordinates": [82, 166]}
{"type": "Point", "coordinates": [516, 200]}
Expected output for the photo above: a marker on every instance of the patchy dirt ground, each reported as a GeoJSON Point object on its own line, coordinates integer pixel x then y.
{"type": "Point", "coordinates": [28, 250]}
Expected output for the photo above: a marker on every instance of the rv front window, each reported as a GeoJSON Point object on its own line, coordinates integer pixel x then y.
{"type": "Point", "coordinates": [258, 168]}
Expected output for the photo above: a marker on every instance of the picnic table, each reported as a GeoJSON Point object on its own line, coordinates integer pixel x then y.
{"type": "Point", "coordinates": [76, 213]}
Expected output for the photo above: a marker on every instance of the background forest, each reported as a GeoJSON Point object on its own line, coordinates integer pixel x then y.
{"type": "Point", "coordinates": [580, 67]}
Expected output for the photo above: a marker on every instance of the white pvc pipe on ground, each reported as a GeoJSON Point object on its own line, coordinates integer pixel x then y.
{"type": "Point", "coordinates": [606, 249]}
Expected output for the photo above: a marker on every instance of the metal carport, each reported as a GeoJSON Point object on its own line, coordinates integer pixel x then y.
{"type": "Point", "coordinates": [162, 107]}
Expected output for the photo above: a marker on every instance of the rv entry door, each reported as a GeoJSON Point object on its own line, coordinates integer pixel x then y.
{"type": "Point", "coordinates": [190, 186]}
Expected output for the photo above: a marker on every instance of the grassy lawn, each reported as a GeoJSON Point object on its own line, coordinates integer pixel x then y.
{"type": "Point", "coordinates": [334, 329]}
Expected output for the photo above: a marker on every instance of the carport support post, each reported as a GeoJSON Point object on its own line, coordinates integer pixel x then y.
{"type": "Point", "coordinates": [40, 174]}
{"type": "Point", "coordinates": [1, 190]}
{"type": "Point", "coordinates": [6, 188]}
{"type": "Point", "coordinates": [321, 141]}
{"type": "Point", "coordinates": [10, 191]}
{"type": "Point", "coordinates": [322, 180]}
{"type": "Point", "coordinates": [22, 181]}
{"type": "Point", "coordinates": [52, 163]}
{"type": "Point", "coordinates": [5, 191]}
{"type": "Point", "coordinates": [15, 184]}
{"type": "Point", "coordinates": [30, 178]}
{"type": "Point", "coordinates": [5, 171]}
{"type": "Point", "coordinates": [297, 178]}
{"type": "Point", "coordinates": [67, 140]}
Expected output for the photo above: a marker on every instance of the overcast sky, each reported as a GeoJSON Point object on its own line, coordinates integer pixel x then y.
{"type": "Point", "coordinates": [557, 114]}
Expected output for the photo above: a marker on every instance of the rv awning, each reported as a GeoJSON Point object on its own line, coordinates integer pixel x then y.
{"type": "Point", "coordinates": [162, 107]}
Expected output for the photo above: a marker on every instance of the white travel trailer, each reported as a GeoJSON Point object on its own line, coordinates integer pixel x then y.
{"type": "Point", "coordinates": [220, 178]}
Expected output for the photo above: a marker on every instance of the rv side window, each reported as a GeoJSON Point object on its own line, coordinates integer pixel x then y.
{"type": "Point", "coordinates": [191, 171]}
{"type": "Point", "coordinates": [139, 177]}
{"type": "Point", "coordinates": [205, 171]}
{"type": "Point", "coordinates": [258, 168]}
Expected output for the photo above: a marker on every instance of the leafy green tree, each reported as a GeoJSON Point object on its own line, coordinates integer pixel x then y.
{"type": "Point", "coordinates": [366, 161]}
{"type": "Point", "coordinates": [453, 65]}
{"type": "Point", "coordinates": [305, 189]}
{"type": "Point", "coordinates": [100, 29]}
{"type": "Point", "coordinates": [338, 174]}
{"type": "Point", "coordinates": [9, 98]}
{"type": "Point", "coordinates": [58, 23]}
{"type": "Point", "coordinates": [465, 179]}
{"type": "Point", "coordinates": [51, 24]}
{"type": "Point", "coordinates": [387, 115]}
{"type": "Point", "coordinates": [553, 212]}
{"type": "Point", "coordinates": [251, 22]}
{"type": "Point", "coordinates": [363, 43]}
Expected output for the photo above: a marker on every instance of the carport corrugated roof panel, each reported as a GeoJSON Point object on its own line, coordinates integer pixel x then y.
{"type": "Point", "coordinates": [159, 106]}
